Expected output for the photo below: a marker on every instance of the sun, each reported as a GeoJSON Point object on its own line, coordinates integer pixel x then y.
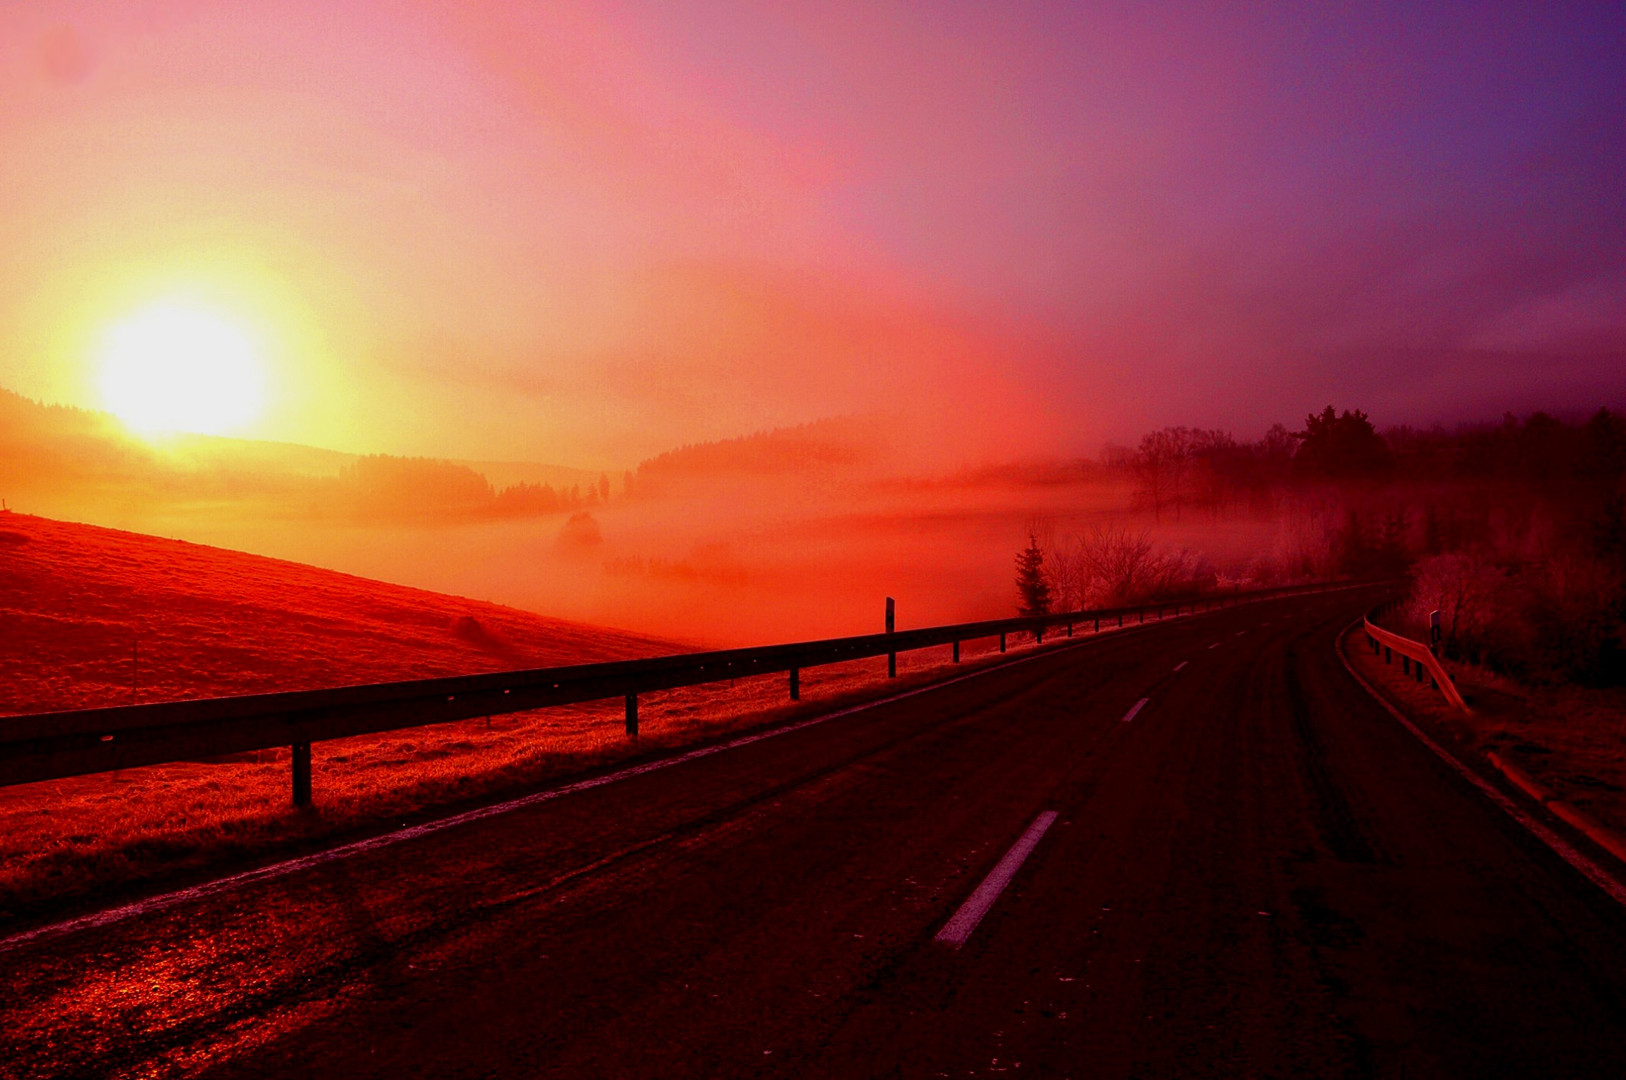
{"type": "Point", "coordinates": [176, 367]}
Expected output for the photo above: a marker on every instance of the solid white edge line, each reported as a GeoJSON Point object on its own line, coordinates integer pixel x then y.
{"type": "Point", "coordinates": [275, 870]}
{"type": "Point", "coordinates": [1579, 860]}
{"type": "Point", "coordinates": [958, 929]}
{"type": "Point", "coordinates": [1135, 709]}
{"type": "Point", "coordinates": [164, 901]}
{"type": "Point", "coordinates": [1181, 664]}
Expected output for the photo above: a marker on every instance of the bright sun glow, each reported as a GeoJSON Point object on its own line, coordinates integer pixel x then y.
{"type": "Point", "coordinates": [175, 367]}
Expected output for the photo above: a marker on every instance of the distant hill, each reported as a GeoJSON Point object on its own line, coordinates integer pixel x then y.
{"type": "Point", "coordinates": [72, 462]}
{"type": "Point", "coordinates": [834, 444]}
{"type": "Point", "coordinates": [97, 617]}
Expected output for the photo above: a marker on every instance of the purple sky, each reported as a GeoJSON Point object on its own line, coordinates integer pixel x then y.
{"type": "Point", "coordinates": [593, 231]}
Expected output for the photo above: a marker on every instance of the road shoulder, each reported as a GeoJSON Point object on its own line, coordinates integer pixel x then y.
{"type": "Point", "coordinates": [1486, 749]}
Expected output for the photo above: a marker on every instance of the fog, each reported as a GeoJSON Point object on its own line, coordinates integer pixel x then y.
{"type": "Point", "coordinates": [783, 536]}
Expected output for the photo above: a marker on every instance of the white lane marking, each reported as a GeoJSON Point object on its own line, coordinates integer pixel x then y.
{"type": "Point", "coordinates": [1135, 708]}
{"type": "Point", "coordinates": [1239, 633]}
{"type": "Point", "coordinates": [959, 928]}
{"type": "Point", "coordinates": [164, 901]}
{"type": "Point", "coordinates": [1181, 664]}
{"type": "Point", "coordinates": [1589, 869]}
{"type": "Point", "coordinates": [1215, 645]}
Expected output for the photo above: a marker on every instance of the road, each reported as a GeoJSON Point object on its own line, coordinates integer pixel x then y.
{"type": "Point", "coordinates": [1257, 872]}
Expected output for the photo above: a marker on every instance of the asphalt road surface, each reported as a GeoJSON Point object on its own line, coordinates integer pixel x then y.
{"type": "Point", "coordinates": [1243, 867]}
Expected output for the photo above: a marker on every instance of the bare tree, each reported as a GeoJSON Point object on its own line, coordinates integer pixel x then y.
{"type": "Point", "coordinates": [1064, 568]}
{"type": "Point", "coordinates": [1160, 467]}
{"type": "Point", "coordinates": [1114, 565]}
{"type": "Point", "coordinates": [1109, 566]}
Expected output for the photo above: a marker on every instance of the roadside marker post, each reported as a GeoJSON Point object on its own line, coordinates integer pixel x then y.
{"type": "Point", "coordinates": [632, 716]}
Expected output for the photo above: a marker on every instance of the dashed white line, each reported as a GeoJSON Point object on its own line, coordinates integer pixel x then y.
{"type": "Point", "coordinates": [1181, 664]}
{"type": "Point", "coordinates": [192, 893]}
{"type": "Point", "coordinates": [958, 929]}
{"type": "Point", "coordinates": [1239, 633]}
{"type": "Point", "coordinates": [1215, 645]}
{"type": "Point", "coordinates": [1135, 708]}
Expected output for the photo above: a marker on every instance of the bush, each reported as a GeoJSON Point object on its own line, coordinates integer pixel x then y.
{"type": "Point", "coordinates": [1554, 618]}
{"type": "Point", "coordinates": [1479, 621]}
{"type": "Point", "coordinates": [1109, 566]}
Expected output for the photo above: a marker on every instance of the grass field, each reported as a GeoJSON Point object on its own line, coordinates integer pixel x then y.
{"type": "Point", "coordinates": [214, 622]}
{"type": "Point", "coordinates": [97, 616]}
{"type": "Point", "coordinates": [73, 839]}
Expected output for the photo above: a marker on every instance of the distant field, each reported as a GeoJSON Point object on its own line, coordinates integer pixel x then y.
{"type": "Point", "coordinates": [76, 599]}
{"type": "Point", "coordinates": [102, 617]}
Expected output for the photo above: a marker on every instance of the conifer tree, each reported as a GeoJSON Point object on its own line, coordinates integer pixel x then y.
{"type": "Point", "coordinates": [1031, 585]}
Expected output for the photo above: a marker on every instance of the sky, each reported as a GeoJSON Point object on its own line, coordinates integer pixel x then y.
{"type": "Point", "coordinates": [585, 233]}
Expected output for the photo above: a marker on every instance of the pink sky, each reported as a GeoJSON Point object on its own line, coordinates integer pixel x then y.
{"type": "Point", "coordinates": [587, 232]}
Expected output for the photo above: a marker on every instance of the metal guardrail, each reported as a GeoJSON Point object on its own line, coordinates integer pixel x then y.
{"type": "Point", "coordinates": [1414, 656]}
{"type": "Point", "coordinates": [49, 746]}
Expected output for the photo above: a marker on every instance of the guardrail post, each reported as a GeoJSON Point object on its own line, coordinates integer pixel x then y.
{"type": "Point", "coordinates": [1038, 636]}
{"type": "Point", "coordinates": [795, 684]}
{"type": "Point", "coordinates": [1069, 628]}
{"type": "Point", "coordinates": [1388, 655]}
{"type": "Point", "coordinates": [1098, 624]}
{"type": "Point", "coordinates": [891, 657]}
{"type": "Point", "coordinates": [302, 774]}
{"type": "Point", "coordinates": [1120, 620]}
{"type": "Point", "coordinates": [1142, 614]}
{"type": "Point", "coordinates": [956, 652]}
{"type": "Point", "coordinates": [1002, 641]}
{"type": "Point", "coordinates": [632, 715]}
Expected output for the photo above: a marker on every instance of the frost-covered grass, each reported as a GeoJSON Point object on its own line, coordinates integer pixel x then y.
{"type": "Point", "coordinates": [1572, 740]}
{"type": "Point", "coordinates": [75, 838]}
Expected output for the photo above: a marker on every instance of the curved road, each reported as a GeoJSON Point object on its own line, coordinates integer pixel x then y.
{"type": "Point", "coordinates": [1257, 872]}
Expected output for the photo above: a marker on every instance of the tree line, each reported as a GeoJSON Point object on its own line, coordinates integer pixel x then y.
{"type": "Point", "coordinates": [1515, 530]}
{"type": "Point", "coordinates": [428, 487]}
